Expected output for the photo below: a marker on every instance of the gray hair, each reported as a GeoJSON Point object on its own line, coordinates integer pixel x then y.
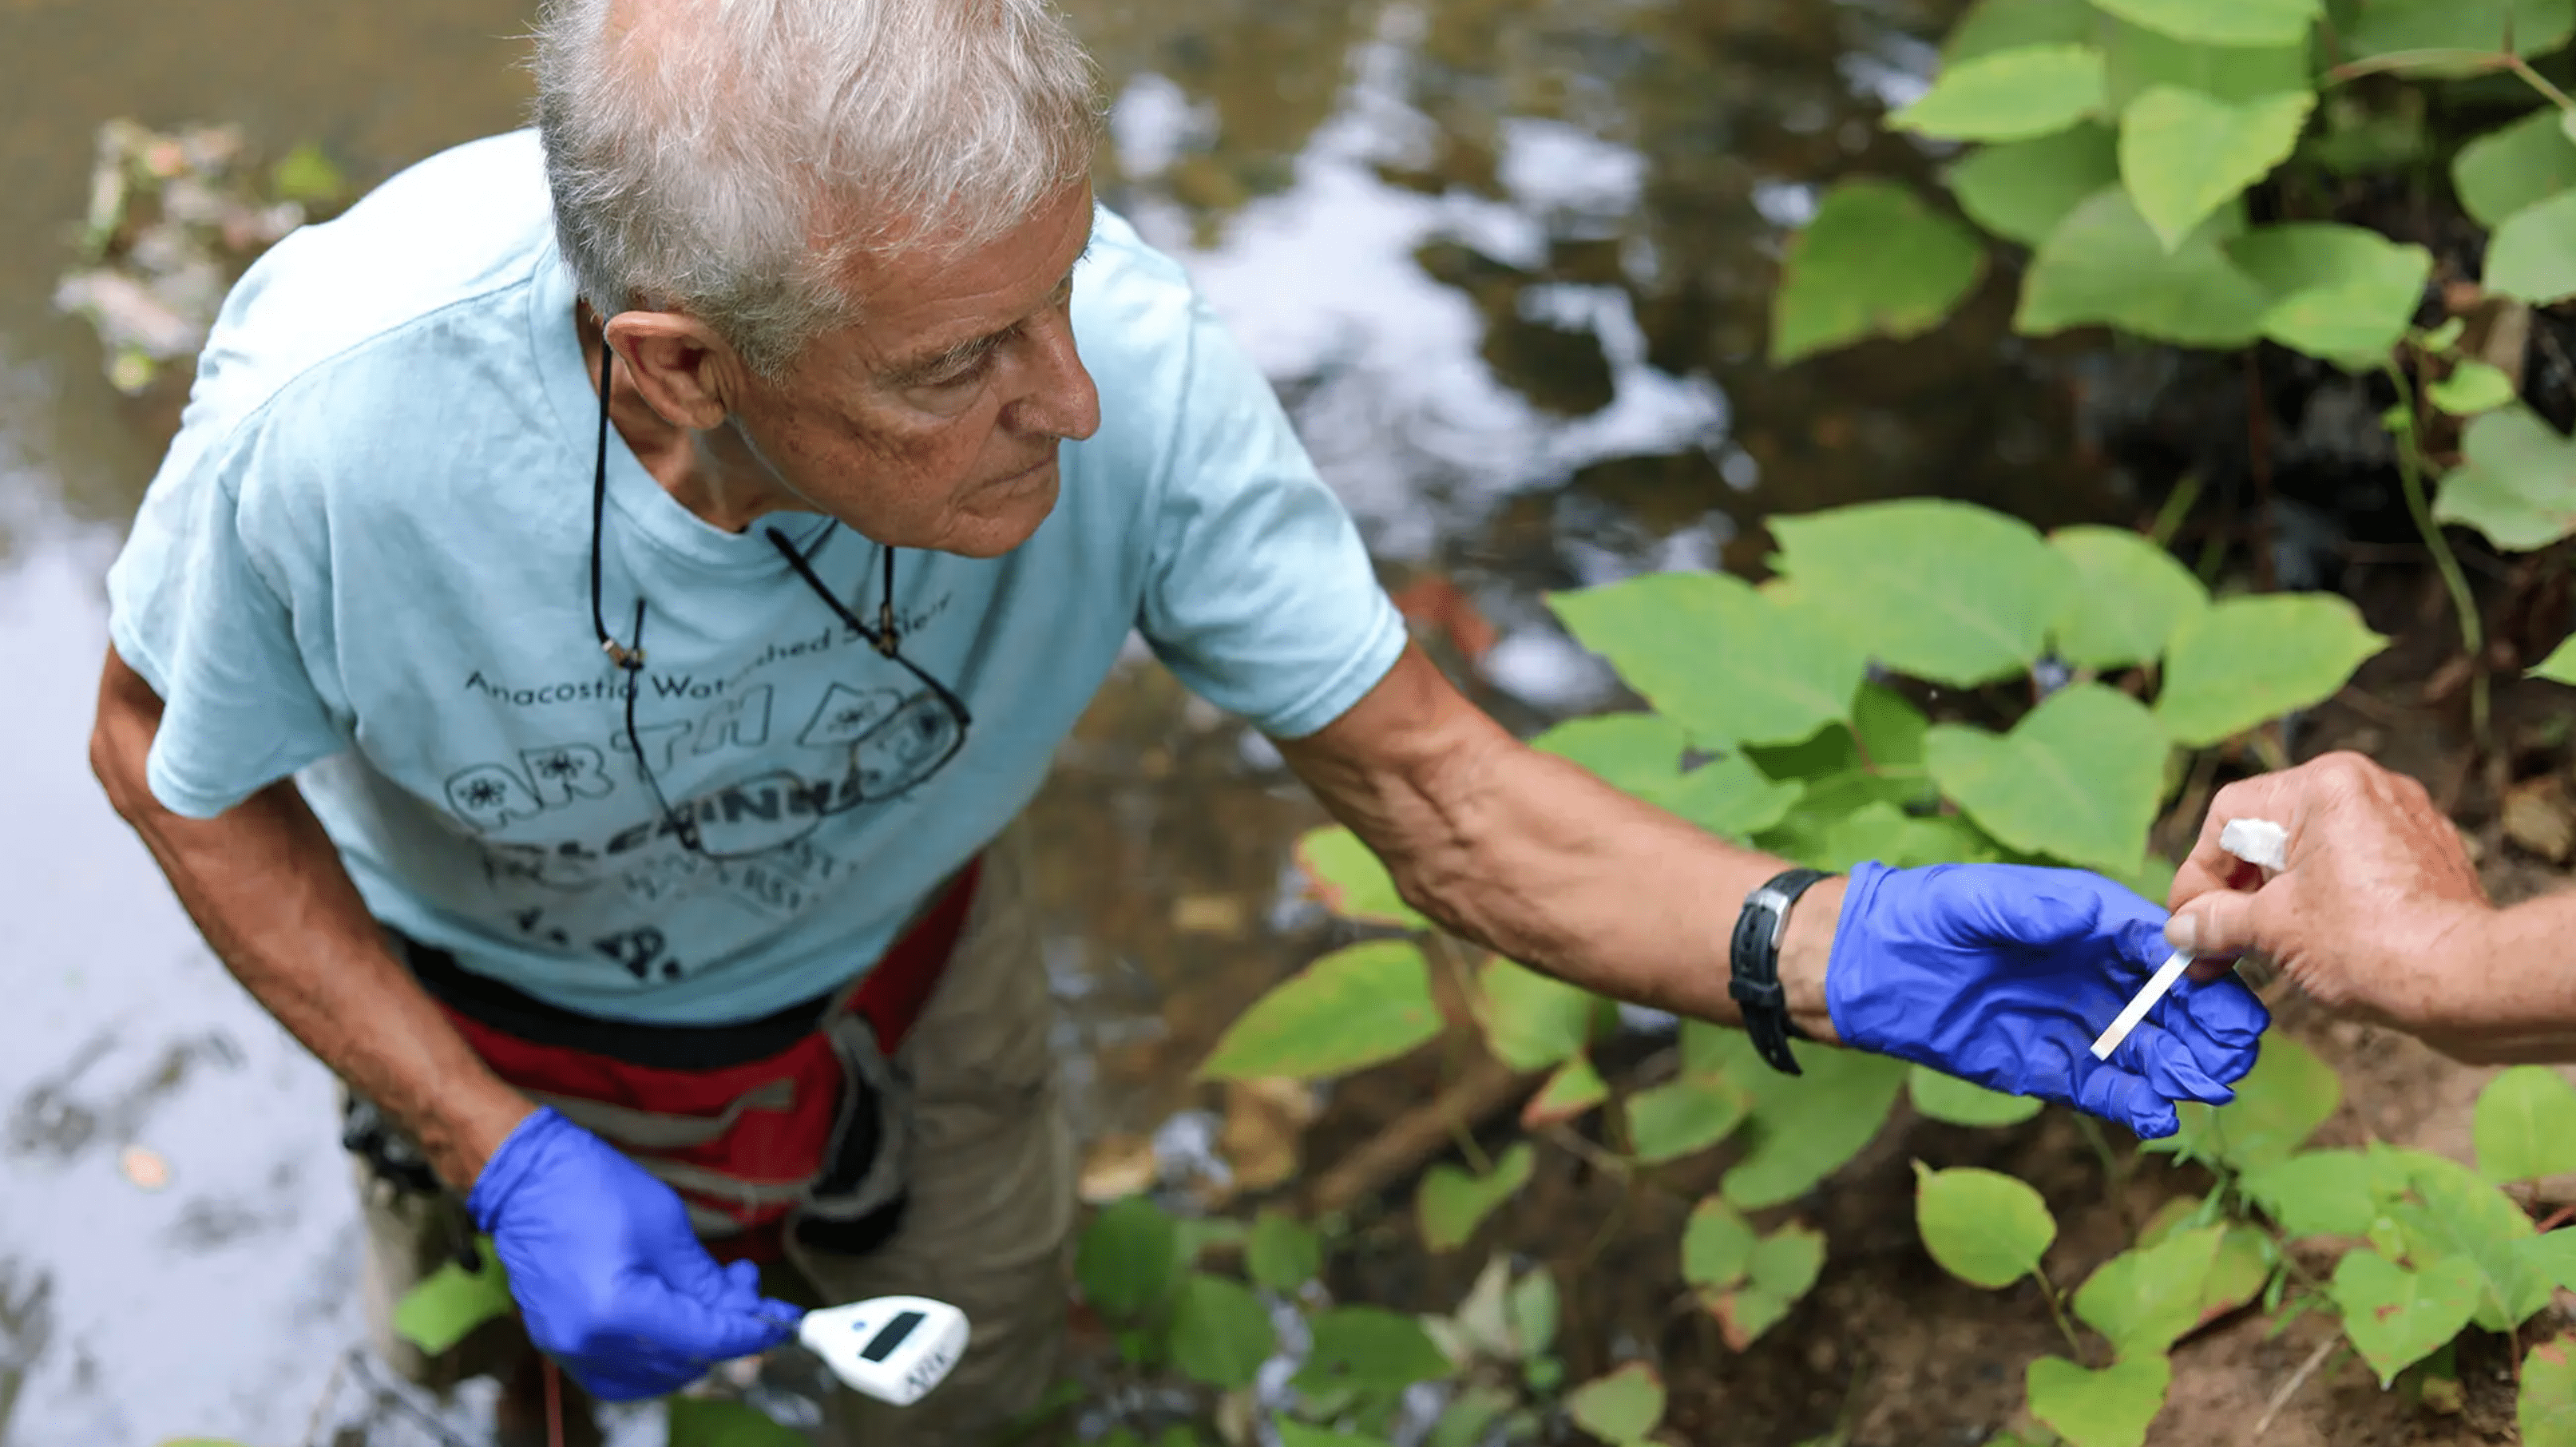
{"type": "Point", "coordinates": [726, 157]}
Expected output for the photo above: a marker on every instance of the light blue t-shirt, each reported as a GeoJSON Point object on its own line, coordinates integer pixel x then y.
{"type": "Point", "coordinates": [365, 562]}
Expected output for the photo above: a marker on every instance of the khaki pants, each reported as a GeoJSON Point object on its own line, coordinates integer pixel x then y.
{"type": "Point", "coordinates": [990, 1214]}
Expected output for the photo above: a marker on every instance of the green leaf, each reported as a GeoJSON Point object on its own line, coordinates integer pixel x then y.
{"type": "Point", "coordinates": [2130, 596]}
{"type": "Point", "coordinates": [716, 1422]}
{"type": "Point", "coordinates": [1281, 1252]}
{"type": "Point", "coordinates": [1298, 1434]}
{"type": "Point", "coordinates": [1348, 878]}
{"type": "Point", "coordinates": [2560, 665]}
{"type": "Point", "coordinates": [2525, 1126]}
{"type": "Point", "coordinates": [1730, 797]}
{"type": "Point", "coordinates": [1717, 1245]}
{"type": "Point", "coordinates": [1353, 1008]}
{"type": "Point", "coordinates": [2473, 387]}
{"type": "Point", "coordinates": [1783, 673]}
{"type": "Point", "coordinates": [2339, 292]}
{"type": "Point", "coordinates": [1993, 25]}
{"type": "Point", "coordinates": [2447, 1211]}
{"type": "Point", "coordinates": [2278, 1105]}
{"type": "Point", "coordinates": [1532, 1021]}
{"type": "Point", "coordinates": [2473, 28]}
{"type": "Point", "coordinates": [2243, 1268]}
{"type": "Point", "coordinates": [1636, 753]}
{"type": "Point", "coordinates": [1781, 1269]}
{"type": "Point", "coordinates": [2144, 1300]}
{"type": "Point", "coordinates": [2020, 190]}
{"type": "Point", "coordinates": [2316, 1193]}
{"type": "Point", "coordinates": [1683, 1117]}
{"type": "Point", "coordinates": [1948, 1098]}
{"type": "Point", "coordinates": [2108, 1408]}
{"type": "Point", "coordinates": [1371, 1349]}
{"type": "Point", "coordinates": [1621, 1407]}
{"type": "Point", "coordinates": [1573, 1090]}
{"type": "Point", "coordinates": [1942, 590]}
{"type": "Point", "coordinates": [2249, 660]}
{"type": "Point", "coordinates": [2078, 778]}
{"type": "Point", "coordinates": [440, 1309]}
{"type": "Point", "coordinates": [2184, 153]}
{"type": "Point", "coordinates": [2138, 60]}
{"type": "Point", "coordinates": [2516, 482]}
{"type": "Point", "coordinates": [2009, 95]}
{"type": "Point", "coordinates": [2532, 255]}
{"type": "Point", "coordinates": [2395, 1317]}
{"type": "Point", "coordinates": [1452, 1203]}
{"type": "Point", "coordinates": [307, 176]}
{"type": "Point", "coordinates": [1875, 261]}
{"type": "Point", "coordinates": [1985, 1228]}
{"type": "Point", "coordinates": [2221, 22]}
{"type": "Point", "coordinates": [1220, 1333]}
{"type": "Point", "coordinates": [2104, 265]}
{"type": "Point", "coordinates": [1530, 1309]}
{"type": "Point", "coordinates": [2546, 1407]}
{"type": "Point", "coordinates": [1470, 1416]}
{"type": "Point", "coordinates": [1127, 1258]}
{"type": "Point", "coordinates": [2514, 166]}
{"type": "Point", "coordinates": [1805, 1127]}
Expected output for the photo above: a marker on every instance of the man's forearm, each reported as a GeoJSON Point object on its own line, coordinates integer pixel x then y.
{"type": "Point", "coordinates": [267, 889]}
{"type": "Point", "coordinates": [2505, 989]}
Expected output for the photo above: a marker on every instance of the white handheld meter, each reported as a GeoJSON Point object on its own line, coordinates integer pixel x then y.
{"type": "Point", "coordinates": [894, 1348]}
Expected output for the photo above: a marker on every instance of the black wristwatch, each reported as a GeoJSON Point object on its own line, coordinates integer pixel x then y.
{"type": "Point", "coordinates": [1754, 958]}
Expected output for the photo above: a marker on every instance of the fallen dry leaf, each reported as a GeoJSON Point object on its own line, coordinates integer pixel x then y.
{"type": "Point", "coordinates": [1116, 1167]}
{"type": "Point", "coordinates": [2538, 817]}
{"type": "Point", "coordinates": [1207, 914]}
{"type": "Point", "coordinates": [1264, 1120]}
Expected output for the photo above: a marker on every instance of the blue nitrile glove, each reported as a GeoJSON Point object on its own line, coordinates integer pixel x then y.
{"type": "Point", "coordinates": [608, 1275]}
{"type": "Point", "coordinates": [2005, 974]}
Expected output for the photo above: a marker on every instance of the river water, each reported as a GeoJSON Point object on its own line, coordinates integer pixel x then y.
{"type": "Point", "coordinates": [1510, 262]}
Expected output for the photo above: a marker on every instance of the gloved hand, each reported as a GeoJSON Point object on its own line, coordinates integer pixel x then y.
{"type": "Point", "coordinates": [2004, 975]}
{"type": "Point", "coordinates": [608, 1275]}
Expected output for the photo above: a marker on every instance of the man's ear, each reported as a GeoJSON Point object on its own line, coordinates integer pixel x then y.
{"type": "Point", "coordinates": [684, 371]}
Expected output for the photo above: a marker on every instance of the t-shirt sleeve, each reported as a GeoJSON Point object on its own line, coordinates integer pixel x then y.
{"type": "Point", "coordinates": [1260, 595]}
{"type": "Point", "coordinates": [198, 606]}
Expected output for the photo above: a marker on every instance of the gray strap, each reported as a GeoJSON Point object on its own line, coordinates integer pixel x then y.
{"type": "Point", "coordinates": [647, 1130]}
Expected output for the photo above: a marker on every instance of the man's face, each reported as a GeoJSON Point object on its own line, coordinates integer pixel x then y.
{"type": "Point", "coordinates": [932, 422]}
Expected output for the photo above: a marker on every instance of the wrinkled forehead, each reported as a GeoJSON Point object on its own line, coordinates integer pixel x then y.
{"type": "Point", "coordinates": [913, 298]}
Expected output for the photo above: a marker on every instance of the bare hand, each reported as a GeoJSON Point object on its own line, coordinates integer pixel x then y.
{"type": "Point", "coordinates": [2375, 910]}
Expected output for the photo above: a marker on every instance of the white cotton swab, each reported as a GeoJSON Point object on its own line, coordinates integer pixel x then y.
{"type": "Point", "coordinates": [2258, 842]}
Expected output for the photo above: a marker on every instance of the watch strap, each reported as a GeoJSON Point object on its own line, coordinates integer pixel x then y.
{"type": "Point", "coordinates": [1753, 959]}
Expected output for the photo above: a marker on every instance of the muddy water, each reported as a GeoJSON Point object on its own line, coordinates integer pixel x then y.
{"type": "Point", "coordinates": [1509, 260]}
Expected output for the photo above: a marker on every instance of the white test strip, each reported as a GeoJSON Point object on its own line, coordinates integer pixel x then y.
{"type": "Point", "coordinates": [2157, 984]}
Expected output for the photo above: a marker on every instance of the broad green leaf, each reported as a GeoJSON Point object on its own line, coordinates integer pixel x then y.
{"type": "Point", "coordinates": [1729, 797]}
{"type": "Point", "coordinates": [2243, 1268]}
{"type": "Point", "coordinates": [1722, 1051]}
{"type": "Point", "coordinates": [1281, 1252]}
{"type": "Point", "coordinates": [1529, 1309]}
{"type": "Point", "coordinates": [2551, 1257]}
{"type": "Point", "coordinates": [1993, 25]}
{"type": "Point", "coordinates": [2560, 665]}
{"type": "Point", "coordinates": [2078, 778]}
{"type": "Point", "coordinates": [2532, 255]}
{"type": "Point", "coordinates": [2221, 22]}
{"type": "Point", "coordinates": [1470, 1416]}
{"type": "Point", "coordinates": [2278, 1105]}
{"type": "Point", "coordinates": [2020, 190]}
{"type": "Point", "coordinates": [1781, 1269]}
{"type": "Point", "coordinates": [1220, 1333]}
{"type": "Point", "coordinates": [1346, 877]}
{"type": "Point", "coordinates": [1945, 1097]}
{"type": "Point", "coordinates": [1353, 1008]}
{"type": "Point", "coordinates": [1621, 1407]}
{"type": "Point", "coordinates": [1452, 1203]}
{"type": "Point", "coordinates": [2249, 660]}
{"type": "Point", "coordinates": [1532, 1021]}
{"type": "Point", "coordinates": [716, 1422]}
{"type": "Point", "coordinates": [1371, 1349]}
{"type": "Point", "coordinates": [2447, 1211]}
{"type": "Point", "coordinates": [2184, 153]}
{"type": "Point", "coordinates": [1780, 672]}
{"type": "Point", "coordinates": [440, 1309]}
{"type": "Point", "coordinates": [2316, 1193]}
{"type": "Point", "coordinates": [2525, 1126]}
{"type": "Point", "coordinates": [1636, 753]}
{"type": "Point", "coordinates": [2104, 265]}
{"type": "Point", "coordinates": [2473, 387]}
{"type": "Point", "coordinates": [1127, 1258]}
{"type": "Point", "coordinates": [2108, 1408]}
{"type": "Point", "coordinates": [1942, 590]}
{"type": "Point", "coordinates": [1717, 1245]}
{"type": "Point", "coordinates": [1985, 1228]}
{"type": "Point", "coordinates": [1879, 831]}
{"type": "Point", "coordinates": [2545, 1409]}
{"type": "Point", "coordinates": [2137, 60]}
{"type": "Point", "coordinates": [1805, 1127]}
{"type": "Point", "coordinates": [1571, 1092]}
{"type": "Point", "coordinates": [2130, 596]}
{"type": "Point", "coordinates": [2144, 1300]}
{"type": "Point", "coordinates": [2009, 95]}
{"type": "Point", "coordinates": [1682, 1117]}
{"type": "Point", "coordinates": [1875, 261]}
{"type": "Point", "coordinates": [308, 175]}
{"type": "Point", "coordinates": [2516, 482]}
{"type": "Point", "coordinates": [1297, 1434]}
{"type": "Point", "coordinates": [2473, 29]}
{"type": "Point", "coordinates": [2395, 1317]}
{"type": "Point", "coordinates": [2514, 166]}
{"type": "Point", "coordinates": [2342, 293]}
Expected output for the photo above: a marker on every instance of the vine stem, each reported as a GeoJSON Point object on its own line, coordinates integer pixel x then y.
{"type": "Point", "coordinates": [2057, 1313]}
{"type": "Point", "coordinates": [2538, 82]}
{"type": "Point", "coordinates": [2410, 473]}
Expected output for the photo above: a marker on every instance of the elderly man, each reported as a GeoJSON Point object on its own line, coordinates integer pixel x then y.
{"type": "Point", "coordinates": [614, 589]}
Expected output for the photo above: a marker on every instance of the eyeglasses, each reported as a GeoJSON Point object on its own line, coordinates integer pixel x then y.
{"type": "Point", "coordinates": [895, 738]}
